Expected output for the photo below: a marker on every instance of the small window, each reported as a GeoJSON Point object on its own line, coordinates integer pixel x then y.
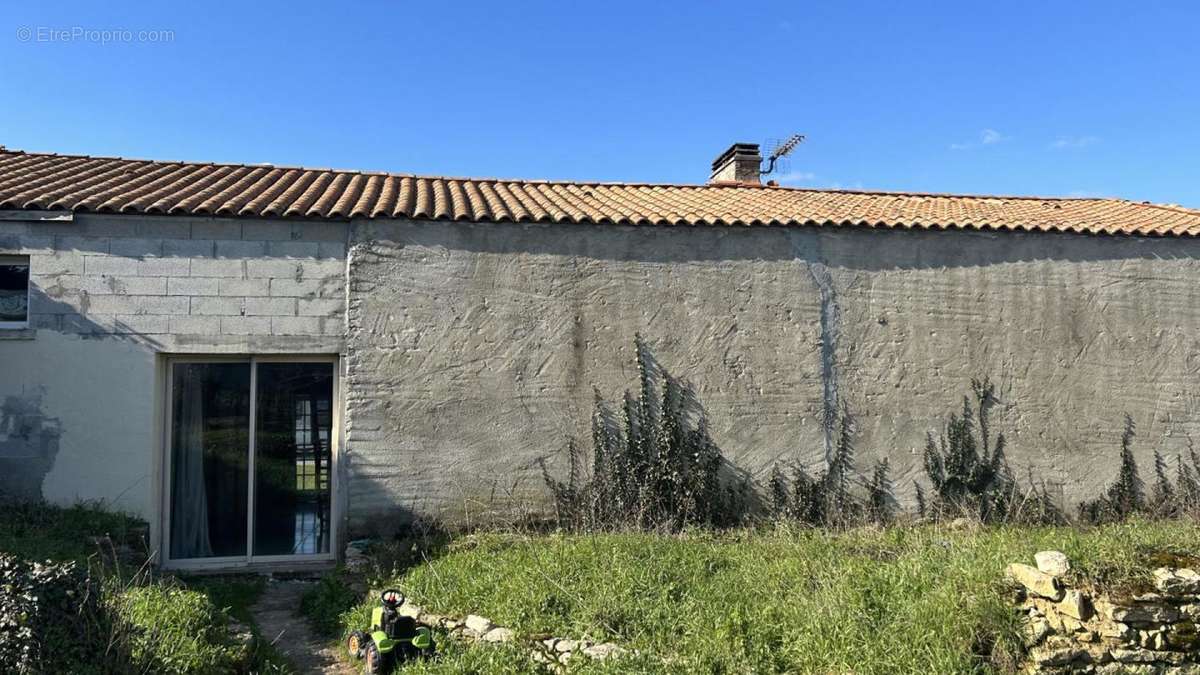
{"type": "Point", "coordinates": [14, 291]}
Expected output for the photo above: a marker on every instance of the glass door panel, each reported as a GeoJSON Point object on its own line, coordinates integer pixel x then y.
{"type": "Point", "coordinates": [210, 451]}
{"type": "Point", "coordinates": [292, 458]}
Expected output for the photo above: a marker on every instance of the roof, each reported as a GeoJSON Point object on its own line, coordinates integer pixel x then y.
{"type": "Point", "coordinates": [115, 185]}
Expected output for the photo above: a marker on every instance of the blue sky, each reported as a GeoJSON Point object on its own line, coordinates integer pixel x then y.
{"type": "Point", "coordinates": [1047, 98]}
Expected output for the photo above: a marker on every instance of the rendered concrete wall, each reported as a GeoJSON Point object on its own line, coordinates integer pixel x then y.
{"type": "Point", "coordinates": [110, 294]}
{"type": "Point", "coordinates": [473, 349]}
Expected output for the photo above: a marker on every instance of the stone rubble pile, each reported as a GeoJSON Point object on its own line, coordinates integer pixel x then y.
{"type": "Point", "coordinates": [1070, 631]}
{"type": "Point", "coordinates": [356, 558]}
{"type": "Point", "coordinates": [551, 651]}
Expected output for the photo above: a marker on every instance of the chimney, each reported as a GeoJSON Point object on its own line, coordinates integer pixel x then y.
{"type": "Point", "coordinates": [740, 164]}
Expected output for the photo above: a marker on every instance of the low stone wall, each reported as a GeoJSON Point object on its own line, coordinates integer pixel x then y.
{"type": "Point", "coordinates": [1070, 630]}
{"type": "Point", "coordinates": [552, 652]}
{"type": "Point", "coordinates": [555, 653]}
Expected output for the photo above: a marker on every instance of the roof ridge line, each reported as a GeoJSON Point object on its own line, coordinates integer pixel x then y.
{"type": "Point", "coordinates": [1174, 208]}
{"type": "Point", "coordinates": [582, 183]}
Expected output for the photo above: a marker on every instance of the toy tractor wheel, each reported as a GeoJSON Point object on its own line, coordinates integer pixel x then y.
{"type": "Point", "coordinates": [375, 662]}
{"type": "Point", "coordinates": [355, 643]}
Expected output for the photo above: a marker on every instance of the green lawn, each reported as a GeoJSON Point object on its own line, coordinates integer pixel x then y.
{"type": "Point", "coordinates": [909, 599]}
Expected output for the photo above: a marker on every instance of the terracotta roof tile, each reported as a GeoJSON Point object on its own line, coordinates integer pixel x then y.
{"type": "Point", "coordinates": [80, 183]}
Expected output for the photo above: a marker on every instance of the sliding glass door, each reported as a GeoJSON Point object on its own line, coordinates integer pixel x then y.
{"type": "Point", "coordinates": [249, 471]}
{"type": "Point", "coordinates": [210, 459]}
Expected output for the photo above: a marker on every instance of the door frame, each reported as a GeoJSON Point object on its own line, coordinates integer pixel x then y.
{"type": "Point", "coordinates": [335, 445]}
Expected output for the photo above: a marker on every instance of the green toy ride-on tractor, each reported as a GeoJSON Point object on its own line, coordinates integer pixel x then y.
{"type": "Point", "coordinates": [392, 637]}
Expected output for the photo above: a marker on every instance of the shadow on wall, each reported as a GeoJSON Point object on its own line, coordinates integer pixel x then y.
{"type": "Point", "coordinates": [852, 247]}
{"type": "Point", "coordinates": [50, 311]}
{"type": "Point", "coordinates": [392, 521]}
{"type": "Point", "coordinates": [29, 438]}
{"type": "Point", "coordinates": [28, 445]}
{"type": "Point", "coordinates": [691, 412]}
{"type": "Point", "coordinates": [653, 463]}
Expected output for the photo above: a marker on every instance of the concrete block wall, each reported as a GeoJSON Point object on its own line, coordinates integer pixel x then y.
{"type": "Point", "coordinates": [109, 293]}
{"type": "Point", "coordinates": [163, 278]}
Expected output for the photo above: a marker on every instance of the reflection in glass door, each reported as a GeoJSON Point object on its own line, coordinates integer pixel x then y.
{"type": "Point", "coordinates": [250, 462]}
{"type": "Point", "coordinates": [292, 458]}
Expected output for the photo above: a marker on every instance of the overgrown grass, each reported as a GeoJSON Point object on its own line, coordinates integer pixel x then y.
{"type": "Point", "coordinates": [904, 599]}
{"type": "Point", "coordinates": [233, 594]}
{"type": "Point", "coordinates": [150, 623]}
{"type": "Point", "coordinates": [38, 531]}
{"type": "Point", "coordinates": [326, 602]}
{"type": "Point", "coordinates": [177, 630]}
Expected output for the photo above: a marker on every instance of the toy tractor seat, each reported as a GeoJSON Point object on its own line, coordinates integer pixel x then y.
{"type": "Point", "coordinates": [391, 638]}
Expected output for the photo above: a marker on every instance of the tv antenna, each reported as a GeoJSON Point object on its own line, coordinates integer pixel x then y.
{"type": "Point", "coordinates": [782, 150]}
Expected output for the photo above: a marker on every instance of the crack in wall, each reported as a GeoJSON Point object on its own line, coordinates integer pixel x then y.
{"type": "Point", "coordinates": [830, 324]}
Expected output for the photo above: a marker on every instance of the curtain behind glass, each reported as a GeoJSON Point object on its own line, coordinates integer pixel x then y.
{"type": "Point", "coordinates": [189, 515]}
{"type": "Point", "coordinates": [209, 459]}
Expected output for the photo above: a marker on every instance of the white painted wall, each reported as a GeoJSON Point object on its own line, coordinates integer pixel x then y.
{"type": "Point", "coordinates": [110, 295]}
{"type": "Point", "coordinates": [100, 393]}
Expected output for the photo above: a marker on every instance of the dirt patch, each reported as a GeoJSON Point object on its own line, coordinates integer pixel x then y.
{"type": "Point", "coordinates": [279, 621]}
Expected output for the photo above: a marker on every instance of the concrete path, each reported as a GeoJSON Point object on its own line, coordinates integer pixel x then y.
{"type": "Point", "coordinates": [277, 614]}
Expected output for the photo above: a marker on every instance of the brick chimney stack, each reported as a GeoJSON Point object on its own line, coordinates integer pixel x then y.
{"type": "Point", "coordinates": [739, 164]}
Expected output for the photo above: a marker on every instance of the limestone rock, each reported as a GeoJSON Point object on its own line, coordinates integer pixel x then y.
{"type": "Point", "coordinates": [1061, 623]}
{"type": "Point", "coordinates": [1054, 563]}
{"type": "Point", "coordinates": [1151, 632]}
{"type": "Point", "coordinates": [1126, 669]}
{"type": "Point", "coordinates": [1036, 630]}
{"type": "Point", "coordinates": [355, 556]}
{"type": "Point", "coordinates": [1147, 656]}
{"type": "Point", "coordinates": [1058, 651]}
{"type": "Point", "coordinates": [1076, 605]}
{"type": "Point", "coordinates": [1144, 614]}
{"type": "Point", "coordinates": [1040, 606]}
{"type": "Point", "coordinates": [1177, 582]}
{"type": "Point", "coordinates": [605, 650]}
{"type": "Point", "coordinates": [479, 624]}
{"type": "Point", "coordinates": [430, 619]}
{"type": "Point", "coordinates": [1183, 636]}
{"type": "Point", "coordinates": [410, 610]}
{"type": "Point", "coordinates": [566, 645]}
{"type": "Point", "coordinates": [499, 634]}
{"type": "Point", "coordinates": [1114, 630]}
{"type": "Point", "coordinates": [1035, 581]}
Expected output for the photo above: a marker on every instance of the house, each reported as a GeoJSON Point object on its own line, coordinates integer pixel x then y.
{"type": "Point", "coordinates": [264, 360]}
